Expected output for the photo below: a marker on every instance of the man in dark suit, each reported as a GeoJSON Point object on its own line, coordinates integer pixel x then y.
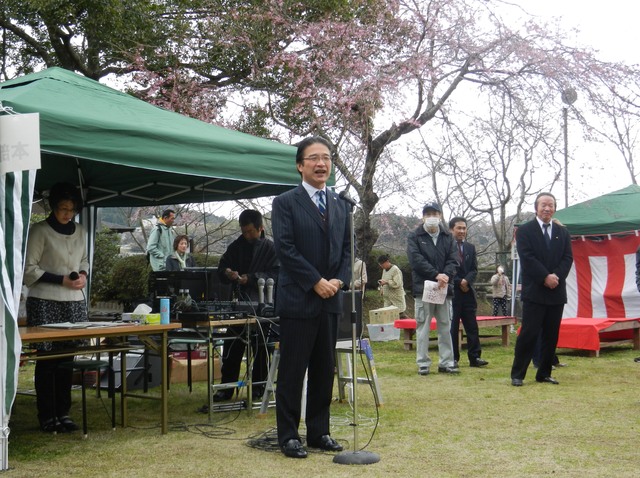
{"type": "Point", "coordinates": [544, 249]}
{"type": "Point", "coordinates": [464, 302]}
{"type": "Point", "coordinates": [312, 240]}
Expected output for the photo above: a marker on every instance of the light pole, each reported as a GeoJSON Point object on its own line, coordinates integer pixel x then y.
{"type": "Point", "coordinates": [569, 96]}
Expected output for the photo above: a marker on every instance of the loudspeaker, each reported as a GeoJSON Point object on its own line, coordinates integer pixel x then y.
{"type": "Point", "coordinates": [344, 326]}
{"type": "Point", "coordinates": [135, 372]}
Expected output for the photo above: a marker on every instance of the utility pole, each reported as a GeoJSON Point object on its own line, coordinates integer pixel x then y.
{"type": "Point", "coordinates": [569, 96]}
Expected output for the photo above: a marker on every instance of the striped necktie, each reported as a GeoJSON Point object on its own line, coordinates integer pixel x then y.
{"type": "Point", "coordinates": [322, 203]}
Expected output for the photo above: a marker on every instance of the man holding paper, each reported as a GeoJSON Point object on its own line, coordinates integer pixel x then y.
{"type": "Point", "coordinates": [432, 256]}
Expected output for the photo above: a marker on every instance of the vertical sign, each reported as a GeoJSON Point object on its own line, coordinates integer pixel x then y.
{"type": "Point", "coordinates": [19, 142]}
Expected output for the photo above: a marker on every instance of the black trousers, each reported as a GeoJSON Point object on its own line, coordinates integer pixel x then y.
{"type": "Point", "coordinates": [538, 320]}
{"type": "Point", "coordinates": [306, 345]}
{"type": "Point", "coordinates": [234, 348]}
{"type": "Point", "coordinates": [465, 311]}
{"type": "Point", "coordinates": [53, 388]}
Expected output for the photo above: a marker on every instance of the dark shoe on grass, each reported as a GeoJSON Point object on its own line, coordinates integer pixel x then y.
{"type": "Point", "coordinates": [450, 370]}
{"type": "Point", "coordinates": [222, 395]}
{"type": "Point", "coordinates": [52, 425]}
{"type": "Point", "coordinates": [294, 449]}
{"type": "Point", "coordinates": [68, 424]}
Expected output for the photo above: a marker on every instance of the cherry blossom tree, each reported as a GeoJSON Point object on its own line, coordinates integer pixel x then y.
{"type": "Point", "coordinates": [366, 74]}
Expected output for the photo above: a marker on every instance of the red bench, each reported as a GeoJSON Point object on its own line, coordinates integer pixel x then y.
{"type": "Point", "coordinates": [408, 327]}
{"type": "Point", "coordinates": [593, 334]}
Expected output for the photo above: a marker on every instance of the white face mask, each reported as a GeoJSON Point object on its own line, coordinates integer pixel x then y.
{"type": "Point", "coordinates": [431, 223]}
{"type": "Point", "coordinates": [500, 270]}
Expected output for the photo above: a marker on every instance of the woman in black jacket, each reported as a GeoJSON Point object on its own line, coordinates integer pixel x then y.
{"type": "Point", "coordinates": [180, 257]}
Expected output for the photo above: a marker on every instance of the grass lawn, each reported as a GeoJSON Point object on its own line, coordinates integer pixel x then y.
{"type": "Point", "coordinates": [472, 425]}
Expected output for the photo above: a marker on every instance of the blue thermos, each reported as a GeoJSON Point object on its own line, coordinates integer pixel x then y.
{"type": "Point", "coordinates": [164, 310]}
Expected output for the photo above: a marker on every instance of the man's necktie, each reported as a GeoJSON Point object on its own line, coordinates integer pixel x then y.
{"type": "Point", "coordinates": [547, 237]}
{"type": "Point", "coordinates": [460, 252]}
{"type": "Point", "coordinates": [322, 203]}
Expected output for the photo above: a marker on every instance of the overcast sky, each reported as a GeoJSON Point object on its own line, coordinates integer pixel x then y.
{"type": "Point", "coordinates": [610, 27]}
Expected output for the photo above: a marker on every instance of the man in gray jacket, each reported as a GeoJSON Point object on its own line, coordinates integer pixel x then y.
{"type": "Point", "coordinates": [160, 243]}
{"type": "Point", "coordinates": [432, 256]}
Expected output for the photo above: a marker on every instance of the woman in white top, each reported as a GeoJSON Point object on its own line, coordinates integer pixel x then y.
{"type": "Point", "coordinates": [56, 274]}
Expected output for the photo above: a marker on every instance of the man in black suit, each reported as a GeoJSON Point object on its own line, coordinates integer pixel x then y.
{"type": "Point", "coordinates": [312, 239]}
{"type": "Point", "coordinates": [544, 249]}
{"type": "Point", "coordinates": [464, 302]}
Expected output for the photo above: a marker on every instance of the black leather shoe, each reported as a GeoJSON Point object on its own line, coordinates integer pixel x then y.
{"type": "Point", "coordinates": [52, 425]}
{"type": "Point", "coordinates": [478, 363]}
{"type": "Point", "coordinates": [326, 443]}
{"type": "Point", "coordinates": [222, 395]}
{"type": "Point", "coordinates": [294, 449]}
{"type": "Point", "coordinates": [257, 392]}
{"type": "Point", "coordinates": [516, 382]}
{"type": "Point", "coordinates": [448, 370]}
{"type": "Point", "coordinates": [548, 380]}
{"type": "Point", "coordinates": [637, 359]}
{"type": "Point", "coordinates": [68, 424]}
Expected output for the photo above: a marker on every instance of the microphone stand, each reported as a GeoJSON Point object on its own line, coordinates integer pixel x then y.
{"type": "Point", "coordinates": [355, 457]}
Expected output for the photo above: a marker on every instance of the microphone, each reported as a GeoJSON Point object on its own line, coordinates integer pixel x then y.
{"type": "Point", "coordinates": [344, 195]}
{"type": "Point", "coordinates": [269, 291]}
{"type": "Point", "coordinates": [261, 291]}
{"type": "Point", "coordinates": [74, 275]}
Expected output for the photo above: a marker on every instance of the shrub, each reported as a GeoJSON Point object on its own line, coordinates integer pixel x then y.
{"type": "Point", "coordinates": [130, 279]}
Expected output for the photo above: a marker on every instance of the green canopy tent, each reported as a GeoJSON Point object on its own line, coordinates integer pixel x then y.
{"type": "Point", "coordinates": [608, 214]}
{"type": "Point", "coordinates": [126, 152]}
{"type": "Point", "coordinates": [122, 152]}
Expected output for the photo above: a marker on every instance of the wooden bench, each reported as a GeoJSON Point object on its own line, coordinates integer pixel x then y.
{"type": "Point", "coordinates": [593, 334]}
{"type": "Point", "coordinates": [408, 327]}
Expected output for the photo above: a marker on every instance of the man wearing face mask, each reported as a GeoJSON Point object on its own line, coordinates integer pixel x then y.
{"type": "Point", "coordinates": [432, 255]}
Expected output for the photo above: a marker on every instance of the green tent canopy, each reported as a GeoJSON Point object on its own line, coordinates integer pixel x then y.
{"type": "Point", "coordinates": [125, 152]}
{"type": "Point", "coordinates": [611, 213]}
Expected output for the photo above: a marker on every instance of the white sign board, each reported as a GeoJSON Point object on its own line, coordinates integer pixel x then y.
{"type": "Point", "coordinates": [19, 142]}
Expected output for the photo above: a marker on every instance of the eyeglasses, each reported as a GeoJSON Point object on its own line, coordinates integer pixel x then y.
{"type": "Point", "coordinates": [65, 210]}
{"type": "Point", "coordinates": [316, 158]}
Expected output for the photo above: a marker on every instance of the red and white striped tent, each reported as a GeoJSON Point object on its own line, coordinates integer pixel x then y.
{"type": "Point", "coordinates": [605, 235]}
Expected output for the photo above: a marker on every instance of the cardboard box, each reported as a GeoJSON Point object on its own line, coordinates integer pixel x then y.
{"type": "Point", "coordinates": [384, 315]}
{"type": "Point", "coordinates": [197, 354]}
{"type": "Point", "coordinates": [198, 370]}
{"type": "Point", "coordinates": [383, 332]}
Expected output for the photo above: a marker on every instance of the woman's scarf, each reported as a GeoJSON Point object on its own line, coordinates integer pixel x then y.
{"type": "Point", "coordinates": [182, 259]}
